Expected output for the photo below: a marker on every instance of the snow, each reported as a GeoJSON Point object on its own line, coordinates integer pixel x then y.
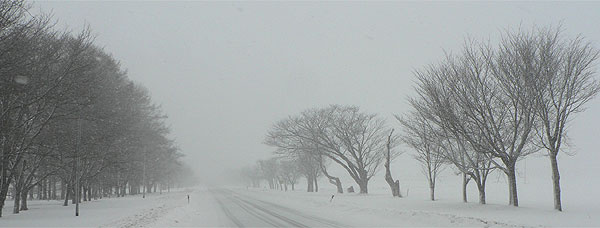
{"type": "Point", "coordinates": [122, 212]}
{"type": "Point", "coordinates": [233, 206]}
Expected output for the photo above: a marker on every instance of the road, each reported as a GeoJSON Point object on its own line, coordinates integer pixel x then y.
{"type": "Point", "coordinates": [222, 207]}
{"type": "Point", "coordinates": [245, 211]}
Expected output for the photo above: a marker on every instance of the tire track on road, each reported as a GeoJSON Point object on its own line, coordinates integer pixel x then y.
{"type": "Point", "coordinates": [323, 221]}
{"type": "Point", "coordinates": [263, 215]}
{"type": "Point", "coordinates": [313, 218]}
{"type": "Point", "coordinates": [263, 218]}
{"type": "Point", "coordinates": [267, 211]}
{"type": "Point", "coordinates": [228, 213]}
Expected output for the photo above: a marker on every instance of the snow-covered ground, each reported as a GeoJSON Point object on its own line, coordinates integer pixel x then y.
{"type": "Point", "coordinates": [231, 207]}
{"type": "Point", "coordinates": [115, 212]}
{"type": "Point", "coordinates": [383, 210]}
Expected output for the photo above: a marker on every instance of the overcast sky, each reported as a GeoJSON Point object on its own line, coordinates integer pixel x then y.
{"type": "Point", "coordinates": [224, 72]}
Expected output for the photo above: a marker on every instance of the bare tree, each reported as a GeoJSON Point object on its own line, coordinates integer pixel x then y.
{"type": "Point", "coordinates": [251, 175]}
{"type": "Point", "coordinates": [495, 111]}
{"type": "Point", "coordinates": [437, 117]}
{"type": "Point", "coordinates": [287, 138]}
{"type": "Point", "coordinates": [290, 172]}
{"type": "Point", "coordinates": [48, 79]}
{"type": "Point", "coordinates": [293, 142]}
{"type": "Point", "coordinates": [353, 139]}
{"type": "Point", "coordinates": [332, 179]}
{"type": "Point", "coordinates": [269, 170]}
{"type": "Point", "coordinates": [509, 129]}
{"type": "Point", "coordinates": [419, 135]}
{"type": "Point", "coordinates": [394, 185]}
{"type": "Point", "coordinates": [564, 83]}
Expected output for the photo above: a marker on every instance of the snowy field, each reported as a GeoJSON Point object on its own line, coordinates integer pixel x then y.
{"type": "Point", "coordinates": [235, 206]}
{"type": "Point", "coordinates": [127, 211]}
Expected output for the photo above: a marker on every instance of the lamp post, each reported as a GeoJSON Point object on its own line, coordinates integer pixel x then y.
{"type": "Point", "coordinates": [144, 176]}
{"type": "Point", "coordinates": [77, 193]}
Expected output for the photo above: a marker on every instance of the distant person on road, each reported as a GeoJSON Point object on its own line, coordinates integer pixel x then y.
{"type": "Point", "coordinates": [188, 199]}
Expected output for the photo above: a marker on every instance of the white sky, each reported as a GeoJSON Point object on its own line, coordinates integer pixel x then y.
{"type": "Point", "coordinates": [224, 72]}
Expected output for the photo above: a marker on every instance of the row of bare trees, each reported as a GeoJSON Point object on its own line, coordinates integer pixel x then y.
{"type": "Point", "coordinates": [69, 116]}
{"type": "Point", "coordinates": [491, 105]}
{"type": "Point", "coordinates": [340, 135]}
{"type": "Point", "coordinates": [279, 173]}
{"type": "Point", "coordinates": [481, 109]}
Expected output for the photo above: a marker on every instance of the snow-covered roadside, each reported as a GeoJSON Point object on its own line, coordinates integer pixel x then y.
{"type": "Point", "coordinates": [121, 212]}
{"type": "Point", "coordinates": [373, 210]}
{"type": "Point", "coordinates": [202, 210]}
{"type": "Point", "coordinates": [383, 210]}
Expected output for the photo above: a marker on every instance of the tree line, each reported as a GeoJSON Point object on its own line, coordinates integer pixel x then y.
{"type": "Point", "coordinates": [72, 124]}
{"type": "Point", "coordinates": [479, 110]}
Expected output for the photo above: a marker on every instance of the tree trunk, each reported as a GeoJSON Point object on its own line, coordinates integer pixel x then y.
{"type": "Point", "coordinates": [481, 196]}
{"type": "Point", "coordinates": [66, 190]}
{"type": "Point", "coordinates": [63, 186]}
{"type": "Point", "coordinates": [510, 193]}
{"type": "Point", "coordinates": [85, 195]}
{"type": "Point", "coordinates": [388, 178]}
{"type": "Point", "coordinates": [17, 199]}
{"type": "Point", "coordinates": [24, 199]}
{"type": "Point", "coordinates": [73, 194]}
{"type": "Point", "coordinates": [316, 184]}
{"type": "Point", "coordinates": [4, 191]}
{"type": "Point", "coordinates": [481, 189]}
{"type": "Point", "coordinates": [91, 193]}
{"type": "Point", "coordinates": [333, 180]}
{"type": "Point", "coordinates": [394, 185]}
{"type": "Point", "coordinates": [556, 182]}
{"type": "Point", "coordinates": [512, 182]}
{"type": "Point", "coordinates": [397, 187]}
{"type": "Point", "coordinates": [54, 195]}
{"type": "Point", "coordinates": [44, 189]}
{"type": "Point", "coordinates": [39, 191]}
{"type": "Point", "coordinates": [309, 183]}
{"type": "Point", "coordinates": [50, 183]}
{"type": "Point", "coordinates": [80, 193]}
{"type": "Point", "coordinates": [362, 184]}
{"type": "Point", "coordinates": [338, 185]}
{"type": "Point", "coordinates": [431, 190]}
{"type": "Point", "coordinates": [464, 187]}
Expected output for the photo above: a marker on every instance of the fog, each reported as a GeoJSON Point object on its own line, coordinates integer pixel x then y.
{"type": "Point", "coordinates": [225, 72]}
{"type": "Point", "coordinates": [299, 114]}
